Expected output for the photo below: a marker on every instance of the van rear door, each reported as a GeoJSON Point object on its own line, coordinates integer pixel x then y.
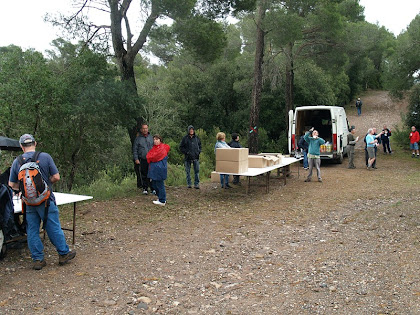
{"type": "Point", "coordinates": [291, 136]}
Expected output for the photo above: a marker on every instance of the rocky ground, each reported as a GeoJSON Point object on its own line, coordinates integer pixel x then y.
{"type": "Point", "coordinates": [349, 245]}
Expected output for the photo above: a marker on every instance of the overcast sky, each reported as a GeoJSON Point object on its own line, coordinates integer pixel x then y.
{"type": "Point", "coordinates": [22, 24]}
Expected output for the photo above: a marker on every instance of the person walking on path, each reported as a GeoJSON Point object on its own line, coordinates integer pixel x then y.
{"type": "Point", "coordinates": [414, 141]}
{"type": "Point", "coordinates": [371, 140]}
{"type": "Point", "coordinates": [157, 158]}
{"type": "Point", "coordinates": [385, 140]}
{"type": "Point", "coordinates": [235, 144]}
{"type": "Point", "coordinates": [359, 106]}
{"type": "Point", "coordinates": [351, 141]}
{"type": "Point", "coordinates": [190, 146]}
{"type": "Point", "coordinates": [142, 145]}
{"type": "Point", "coordinates": [302, 144]}
{"type": "Point", "coordinates": [36, 214]}
{"type": "Point", "coordinates": [314, 158]}
{"type": "Point", "coordinates": [221, 143]}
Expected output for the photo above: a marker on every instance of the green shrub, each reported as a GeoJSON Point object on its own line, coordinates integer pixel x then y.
{"type": "Point", "coordinates": [400, 137]}
{"type": "Point", "coordinates": [106, 187]}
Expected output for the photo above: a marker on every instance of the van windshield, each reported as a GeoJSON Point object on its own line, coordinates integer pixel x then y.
{"type": "Point", "coordinates": [318, 118]}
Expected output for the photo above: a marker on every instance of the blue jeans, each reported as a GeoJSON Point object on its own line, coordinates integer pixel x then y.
{"type": "Point", "coordinates": [34, 215]}
{"type": "Point", "coordinates": [359, 111]}
{"type": "Point", "coordinates": [305, 159]}
{"type": "Point", "coordinates": [196, 165]}
{"type": "Point", "coordinates": [159, 186]}
{"type": "Point", "coordinates": [224, 180]}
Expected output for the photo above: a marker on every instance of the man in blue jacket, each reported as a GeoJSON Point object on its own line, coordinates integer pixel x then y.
{"type": "Point", "coordinates": [191, 147]}
{"type": "Point", "coordinates": [314, 154]}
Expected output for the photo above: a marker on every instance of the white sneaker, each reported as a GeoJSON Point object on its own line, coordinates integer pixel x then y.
{"type": "Point", "coordinates": [145, 192]}
{"type": "Point", "coordinates": [157, 202]}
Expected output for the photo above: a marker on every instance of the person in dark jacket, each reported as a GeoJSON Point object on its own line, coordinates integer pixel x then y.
{"type": "Point", "coordinates": [385, 140]}
{"type": "Point", "coordinates": [142, 145]}
{"type": "Point", "coordinates": [190, 146]}
{"type": "Point", "coordinates": [302, 144]}
{"type": "Point", "coordinates": [359, 106]}
{"type": "Point", "coordinates": [235, 144]}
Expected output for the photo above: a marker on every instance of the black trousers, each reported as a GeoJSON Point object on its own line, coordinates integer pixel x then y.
{"type": "Point", "coordinates": [141, 172]}
{"type": "Point", "coordinates": [386, 146]}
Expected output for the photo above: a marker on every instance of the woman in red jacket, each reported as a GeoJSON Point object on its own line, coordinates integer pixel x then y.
{"type": "Point", "coordinates": [414, 139]}
{"type": "Point", "coordinates": [157, 158]}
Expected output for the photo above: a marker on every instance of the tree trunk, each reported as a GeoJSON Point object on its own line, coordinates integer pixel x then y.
{"type": "Point", "coordinates": [257, 87]}
{"type": "Point", "coordinates": [290, 77]}
{"type": "Point", "coordinates": [125, 56]}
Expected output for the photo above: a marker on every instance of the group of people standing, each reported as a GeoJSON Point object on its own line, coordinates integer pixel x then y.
{"type": "Point", "coordinates": [150, 157]}
{"type": "Point", "coordinates": [372, 140]}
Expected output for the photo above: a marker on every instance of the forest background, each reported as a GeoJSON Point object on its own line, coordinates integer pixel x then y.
{"type": "Point", "coordinates": [84, 102]}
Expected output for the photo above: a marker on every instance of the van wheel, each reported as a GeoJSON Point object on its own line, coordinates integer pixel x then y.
{"type": "Point", "coordinates": [3, 248]}
{"type": "Point", "coordinates": [340, 158]}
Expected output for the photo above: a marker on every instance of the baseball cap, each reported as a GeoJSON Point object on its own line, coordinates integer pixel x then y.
{"type": "Point", "coordinates": [26, 139]}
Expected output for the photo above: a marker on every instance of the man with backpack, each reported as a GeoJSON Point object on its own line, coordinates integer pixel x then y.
{"type": "Point", "coordinates": [33, 174]}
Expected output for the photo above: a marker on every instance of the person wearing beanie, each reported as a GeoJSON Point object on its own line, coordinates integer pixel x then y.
{"type": "Point", "coordinates": [351, 142]}
{"type": "Point", "coordinates": [235, 144]}
{"type": "Point", "coordinates": [190, 146]}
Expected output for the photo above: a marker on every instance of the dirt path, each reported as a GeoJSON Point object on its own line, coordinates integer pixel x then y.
{"type": "Point", "coordinates": [349, 245]}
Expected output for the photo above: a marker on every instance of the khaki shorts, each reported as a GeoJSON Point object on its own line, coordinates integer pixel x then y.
{"type": "Point", "coordinates": [371, 152]}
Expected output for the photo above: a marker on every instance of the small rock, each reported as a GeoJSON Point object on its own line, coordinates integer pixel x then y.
{"type": "Point", "coordinates": [145, 299]}
{"type": "Point", "coordinates": [142, 306]}
{"type": "Point", "coordinates": [109, 303]}
{"type": "Point", "coordinates": [332, 288]}
{"type": "Point", "coordinates": [259, 255]}
{"type": "Point", "coordinates": [323, 285]}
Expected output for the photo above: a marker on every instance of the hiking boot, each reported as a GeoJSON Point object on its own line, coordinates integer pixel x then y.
{"type": "Point", "coordinates": [189, 186]}
{"type": "Point", "coordinates": [157, 202]}
{"type": "Point", "coordinates": [39, 264]}
{"type": "Point", "coordinates": [145, 192]}
{"type": "Point", "coordinates": [197, 187]}
{"type": "Point", "coordinates": [63, 259]}
{"type": "Point", "coordinates": [227, 186]}
{"type": "Point", "coordinates": [307, 180]}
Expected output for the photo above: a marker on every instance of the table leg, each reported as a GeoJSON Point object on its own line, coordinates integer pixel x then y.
{"type": "Point", "coordinates": [74, 222]}
{"type": "Point", "coordinates": [248, 180]}
{"type": "Point", "coordinates": [267, 183]}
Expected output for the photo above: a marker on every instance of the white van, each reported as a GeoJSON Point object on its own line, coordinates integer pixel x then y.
{"type": "Point", "coordinates": [331, 123]}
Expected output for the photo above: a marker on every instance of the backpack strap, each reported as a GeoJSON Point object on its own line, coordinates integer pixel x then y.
{"type": "Point", "coordinates": [34, 158]}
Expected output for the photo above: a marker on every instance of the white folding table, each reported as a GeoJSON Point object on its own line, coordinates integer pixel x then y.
{"type": "Point", "coordinates": [286, 161]}
{"type": "Point", "coordinates": [60, 199]}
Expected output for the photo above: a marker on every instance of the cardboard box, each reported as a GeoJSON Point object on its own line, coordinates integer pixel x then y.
{"type": "Point", "coordinates": [235, 167]}
{"type": "Point", "coordinates": [232, 154]}
{"type": "Point", "coordinates": [257, 161]}
{"type": "Point", "coordinates": [215, 177]}
{"type": "Point", "coordinates": [276, 157]}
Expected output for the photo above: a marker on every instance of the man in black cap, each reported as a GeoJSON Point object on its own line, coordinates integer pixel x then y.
{"type": "Point", "coordinates": [351, 142]}
{"type": "Point", "coordinates": [34, 214]}
{"type": "Point", "coordinates": [191, 147]}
